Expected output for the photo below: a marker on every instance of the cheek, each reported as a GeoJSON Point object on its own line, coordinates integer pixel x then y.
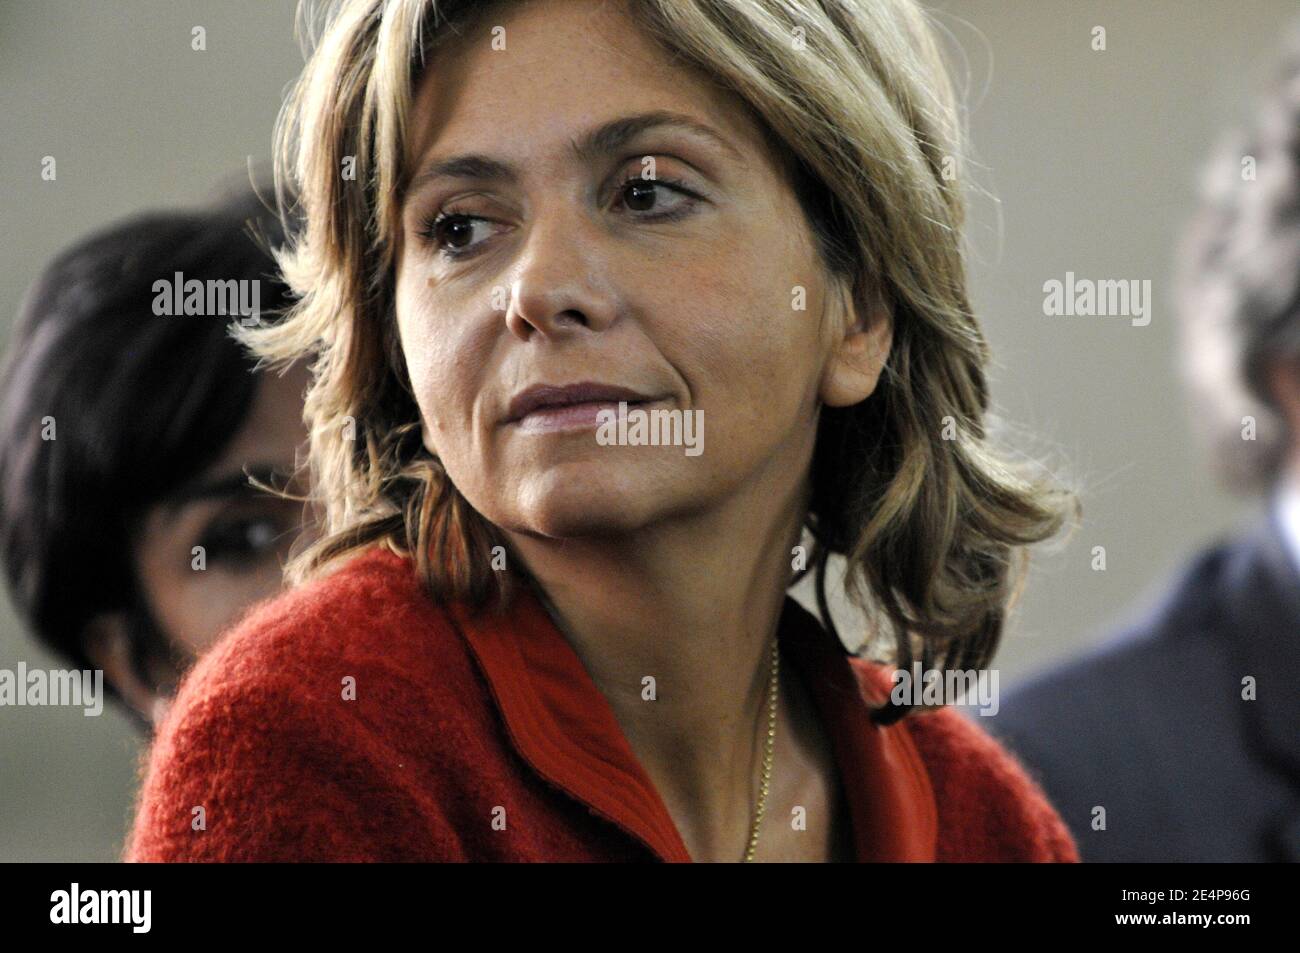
{"type": "Point", "coordinates": [443, 358]}
{"type": "Point", "coordinates": [186, 604]}
{"type": "Point", "coordinates": [747, 346]}
{"type": "Point", "coordinates": [196, 608]}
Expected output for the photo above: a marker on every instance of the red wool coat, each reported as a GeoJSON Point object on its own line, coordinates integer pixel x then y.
{"type": "Point", "coordinates": [352, 719]}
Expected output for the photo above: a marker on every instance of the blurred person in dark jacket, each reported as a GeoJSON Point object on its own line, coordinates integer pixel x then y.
{"type": "Point", "coordinates": [1179, 738]}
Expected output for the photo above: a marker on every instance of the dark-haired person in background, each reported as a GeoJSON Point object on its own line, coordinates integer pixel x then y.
{"type": "Point", "coordinates": [1179, 740]}
{"type": "Point", "coordinates": [126, 441]}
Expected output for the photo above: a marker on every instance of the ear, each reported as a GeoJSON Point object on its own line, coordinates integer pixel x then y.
{"type": "Point", "coordinates": [858, 357]}
{"type": "Point", "coordinates": [107, 645]}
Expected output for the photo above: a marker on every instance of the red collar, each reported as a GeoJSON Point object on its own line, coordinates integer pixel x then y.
{"type": "Point", "coordinates": [563, 726]}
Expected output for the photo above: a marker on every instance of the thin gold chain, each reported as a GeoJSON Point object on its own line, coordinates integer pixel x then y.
{"type": "Point", "coordinates": [767, 752]}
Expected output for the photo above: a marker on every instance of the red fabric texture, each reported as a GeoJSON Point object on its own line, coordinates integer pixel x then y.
{"type": "Point", "coordinates": [482, 738]}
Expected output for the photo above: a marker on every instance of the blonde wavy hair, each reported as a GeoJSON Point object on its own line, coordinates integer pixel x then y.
{"type": "Point", "coordinates": [854, 99]}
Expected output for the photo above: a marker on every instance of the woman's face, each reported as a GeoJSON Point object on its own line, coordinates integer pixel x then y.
{"type": "Point", "coordinates": [550, 257]}
{"type": "Point", "coordinates": [244, 533]}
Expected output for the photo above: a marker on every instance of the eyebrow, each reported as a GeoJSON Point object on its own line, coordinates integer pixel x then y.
{"type": "Point", "coordinates": [599, 141]}
{"type": "Point", "coordinates": [225, 486]}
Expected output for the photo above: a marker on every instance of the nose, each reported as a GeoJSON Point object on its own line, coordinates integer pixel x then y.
{"type": "Point", "coordinates": [561, 282]}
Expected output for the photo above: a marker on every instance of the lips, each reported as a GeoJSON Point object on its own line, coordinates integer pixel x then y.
{"type": "Point", "coordinates": [543, 396]}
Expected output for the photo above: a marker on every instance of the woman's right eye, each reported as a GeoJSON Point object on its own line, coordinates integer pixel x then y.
{"type": "Point", "coordinates": [241, 541]}
{"type": "Point", "coordinates": [452, 233]}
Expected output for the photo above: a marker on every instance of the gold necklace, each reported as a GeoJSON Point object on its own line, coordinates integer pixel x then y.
{"type": "Point", "coordinates": [767, 752]}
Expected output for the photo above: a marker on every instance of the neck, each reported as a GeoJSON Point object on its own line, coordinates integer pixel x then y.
{"type": "Point", "coordinates": [692, 603]}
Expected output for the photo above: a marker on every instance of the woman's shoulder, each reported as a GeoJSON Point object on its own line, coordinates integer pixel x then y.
{"type": "Point", "coordinates": [353, 614]}
{"type": "Point", "coordinates": [989, 807]}
{"type": "Point", "coordinates": [364, 632]}
{"type": "Point", "coordinates": [326, 658]}
{"type": "Point", "coordinates": [317, 702]}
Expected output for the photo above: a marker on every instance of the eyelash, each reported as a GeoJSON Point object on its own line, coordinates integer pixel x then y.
{"type": "Point", "coordinates": [428, 229]}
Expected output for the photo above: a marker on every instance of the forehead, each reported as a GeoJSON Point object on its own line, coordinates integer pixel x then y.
{"type": "Point", "coordinates": [528, 78]}
{"type": "Point", "coordinates": [273, 427]}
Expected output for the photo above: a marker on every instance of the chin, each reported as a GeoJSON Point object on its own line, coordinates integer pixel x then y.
{"type": "Point", "coordinates": [563, 504]}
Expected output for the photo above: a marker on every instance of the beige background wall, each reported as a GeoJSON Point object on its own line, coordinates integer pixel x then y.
{"type": "Point", "coordinates": [1091, 157]}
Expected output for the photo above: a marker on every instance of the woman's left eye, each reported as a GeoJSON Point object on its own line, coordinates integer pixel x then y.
{"type": "Point", "coordinates": [637, 191]}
